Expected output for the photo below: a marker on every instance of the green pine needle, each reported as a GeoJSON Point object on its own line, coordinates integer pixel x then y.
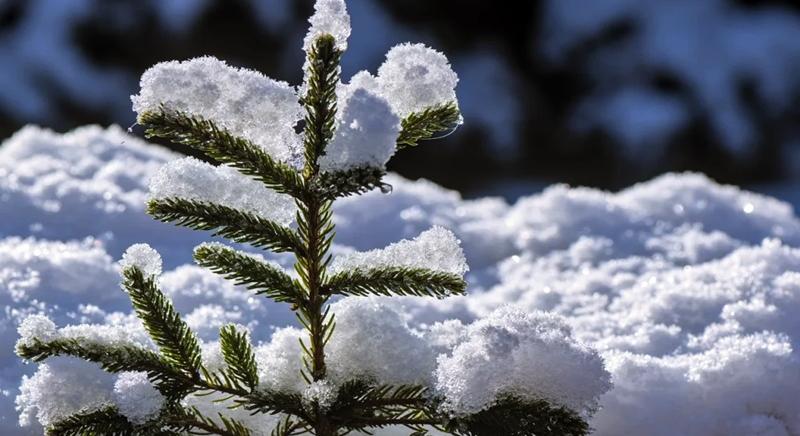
{"type": "Point", "coordinates": [228, 222]}
{"type": "Point", "coordinates": [421, 126]}
{"type": "Point", "coordinates": [513, 417]}
{"type": "Point", "coordinates": [344, 183]}
{"type": "Point", "coordinates": [205, 136]}
{"type": "Point", "coordinates": [248, 271]}
{"type": "Point", "coordinates": [320, 99]}
{"type": "Point", "coordinates": [401, 281]}
{"type": "Point", "coordinates": [176, 341]}
{"type": "Point", "coordinates": [239, 356]}
{"type": "Point", "coordinates": [106, 421]}
{"type": "Point", "coordinates": [112, 358]}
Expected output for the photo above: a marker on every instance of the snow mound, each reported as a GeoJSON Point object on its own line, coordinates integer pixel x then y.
{"type": "Point", "coordinates": [245, 102]}
{"type": "Point", "coordinates": [90, 182]}
{"type": "Point", "coordinates": [530, 356]}
{"type": "Point", "coordinates": [686, 288]}
{"type": "Point", "coordinates": [373, 342]}
{"type": "Point", "coordinates": [136, 398]}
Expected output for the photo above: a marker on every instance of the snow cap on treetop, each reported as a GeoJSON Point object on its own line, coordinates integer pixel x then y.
{"type": "Point", "coordinates": [142, 257]}
{"type": "Point", "coordinates": [331, 18]}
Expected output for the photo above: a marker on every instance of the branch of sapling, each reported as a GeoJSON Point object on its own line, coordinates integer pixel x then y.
{"type": "Point", "coordinates": [424, 125]}
{"type": "Point", "coordinates": [236, 225]}
{"type": "Point", "coordinates": [219, 144]}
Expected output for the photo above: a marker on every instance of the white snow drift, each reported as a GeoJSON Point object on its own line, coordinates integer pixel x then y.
{"type": "Point", "coordinates": [686, 288]}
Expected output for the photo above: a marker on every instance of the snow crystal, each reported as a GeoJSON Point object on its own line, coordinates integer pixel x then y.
{"type": "Point", "coordinates": [36, 327]}
{"type": "Point", "coordinates": [414, 77]}
{"type": "Point", "coordinates": [143, 258]}
{"type": "Point", "coordinates": [531, 356]}
{"type": "Point", "coordinates": [321, 393]}
{"type": "Point", "coordinates": [436, 249]}
{"type": "Point", "coordinates": [372, 341]}
{"type": "Point", "coordinates": [280, 361]}
{"type": "Point", "coordinates": [331, 18]}
{"type": "Point", "coordinates": [245, 102]}
{"type": "Point", "coordinates": [366, 135]}
{"type": "Point", "coordinates": [62, 387]}
{"type": "Point", "coordinates": [192, 179]}
{"type": "Point", "coordinates": [136, 398]}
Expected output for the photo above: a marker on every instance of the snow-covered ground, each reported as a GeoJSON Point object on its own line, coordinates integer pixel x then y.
{"type": "Point", "coordinates": [687, 289]}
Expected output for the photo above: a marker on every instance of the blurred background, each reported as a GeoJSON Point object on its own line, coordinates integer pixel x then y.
{"type": "Point", "coordinates": [599, 93]}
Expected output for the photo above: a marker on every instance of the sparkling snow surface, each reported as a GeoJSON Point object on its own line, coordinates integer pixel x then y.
{"type": "Point", "coordinates": [687, 290]}
{"type": "Point", "coordinates": [245, 102]}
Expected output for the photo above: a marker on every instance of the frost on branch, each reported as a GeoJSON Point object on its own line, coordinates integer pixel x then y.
{"type": "Point", "coordinates": [331, 18]}
{"type": "Point", "coordinates": [245, 102]}
{"type": "Point", "coordinates": [36, 327]}
{"type": "Point", "coordinates": [525, 356]}
{"type": "Point", "coordinates": [143, 257]}
{"type": "Point", "coordinates": [366, 134]}
{"type": "Point", "coordinates": [191, 179]}
{"type": "Point", "coordinates": [437, 249]}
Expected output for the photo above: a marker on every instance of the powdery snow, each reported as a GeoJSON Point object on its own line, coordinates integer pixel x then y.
{"type": "Point", "coordinates": [686, 288]}
{"type": "Point", "coordinates": [90, 182]}
{"type": "Point", "coordinates": [143, 258]}
{"type": "Point", "coordinates": [415, 76]}
{"type": "Point", "coordinates": [670, 280]}
{"type": "Point", "coordinates": [374, 342]}
{"type": "Point", "coordinates": [436, 249]}
{"type": "Point", "coordinates": [136, 398]}
{"type": "Point", "coordinates": [330, 18]}
{"type": "Point", "coordinates": [192, 179]}
{"type": "Point", "coordinates": [530, 356]}
{"type": "Point", "coordinates": [245, 102]}
{"type": "Point", "coordinates": [366, 134]}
